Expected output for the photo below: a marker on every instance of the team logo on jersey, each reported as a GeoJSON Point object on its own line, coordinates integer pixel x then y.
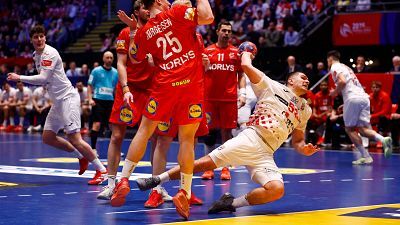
{"type": "Point", "coordinates": [163, 126]}
{"type": "Point", "coordinates": [208, 117]}
{"type": "Point", "coordinates": [126, 115]}
{"type": "Point", "coordinates": [133, 49]}
{"type": "Point", "coordinates": [189, 14]}
{"type": "Point", "coordinates": [152, 106]}
{"type": "Point", "coordinates": [120, 44]}
{"type": "Point", "coordinates": [195, 111]}
{"type": "Point", "coordinates": [294, 100]}
{"type": "Point", "coordinates": [46, 62]}
{"type": "Point", "coordinates": [232, 55]}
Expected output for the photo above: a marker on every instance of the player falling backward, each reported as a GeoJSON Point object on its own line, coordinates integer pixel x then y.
{"type": "Point", "coordinates": [279, 112]}
{"type": "Point", "coordinates": [65, 111]}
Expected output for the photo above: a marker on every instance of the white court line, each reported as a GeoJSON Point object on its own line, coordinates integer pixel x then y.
{"type": "Point", "coordinates": [199, 185]}
{"type": "Point", "coordinates": [48, 194]}
{"type": "Point", "coordinates": [367, 179]}
{"type": "Point", "coordinates": [219, 184]}
{"type": "Point", "coordinates": [325, 180]}
{"type": "Point", "coordinates": [24, 195]}
{"type": "Point", "coordinates": [344, 180]}
{"type": "Point", "coordinates": [3, 196]}
{"type": "Point", "coordinates": [142, 210]}
{"type": "Point", "coordinates": [93, 191]}
{"type": "Point", "coordinates": [176, 186]}
{"type": "Point", "coordinates": [135, 189]}
{"type": "Point", "coordinates": [388, 178]}
{"type": "Point", "coordinates": [304, 181]}
{"type": "Point", "coordinates": [70, 193]}
{"type": "Point", "coordinates": [286, 182]}
{"type": "Point", "coordinates": [241, 183]}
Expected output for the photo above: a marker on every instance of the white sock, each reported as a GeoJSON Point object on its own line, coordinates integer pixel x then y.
{"type": "Point", "coordinates": [164, 177]}
{"type": "Point", "coordinates": [98, 165]}
{"type": "Point", "coordinates": [186, 183]}
{"type": "Point", "coordinates": [111, 181]}
{"type": "Point", "coordinates": [240, 202]}
{"type": "Point", "coordinates": [363, 151]}
{"type": "Point", "coordinates": [77, 154]}
{"type": "Point", "coordinates": [128, 168]}
{"type": "Point", "coordinates": [158, 188]}
{"type": "Point", "coordinates": [12, 121]}
{"type": "Point", "coordinates": [378, 137]}
{"type": "Point", "coordinates": [21, 121]}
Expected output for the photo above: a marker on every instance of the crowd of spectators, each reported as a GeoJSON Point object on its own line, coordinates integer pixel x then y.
{"type": "Point", "coordinates": [64, 21]}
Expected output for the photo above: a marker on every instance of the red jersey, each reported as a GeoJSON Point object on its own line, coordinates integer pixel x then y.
{"type": "Point", "coordinates": [322, 102]}
{"type": "Point", "coordinates": [139, 73]}
{"type": "Point", "coordinates": [381, 105]}
{"type": "Point", "coordinates": [221, 79]}
{"type": "Point", "coordinates": [169, 37]}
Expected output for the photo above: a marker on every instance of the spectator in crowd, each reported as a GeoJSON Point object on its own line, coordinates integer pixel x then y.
{"type": "Point", "coordinates": [291, 67]}
{"type": "Point", "coordinates": [236, 22]}
{"type": "Point", "coordinates": [88, 48]}
{"type": "Point", "coordinates": [258, 22]}
{"type": "Point", "coordinates": [4, 70]}
{"type": "Point", "coordinates": [85, 107]}
{"type": "Point", "coordinates": [6, 105]}
{"type": "Point", "coordinates": [22, 104]}
{"type": "Point", "coordinates": [363, 5]}
{"type": "Point", "coordinates": [251, 34]}
{"type": "Point", "coordinates": [30, 70]}
{"type": "Point", "coordinates": [272, 36]}
{"type": "Point", "coordinates": [41, 106]}
{"type": "Point", "coordinates": [291, 37]}
{"type": "Point", "coordinates": [73, 71]}
{"type": "Point", "coordinates": [360, 65]}
{"type": "Point", "coordinates": [396, 64]}
{"type": "Point", "coordinates": [84, 72]}
{"type": "Point", "coordinates": [341, 5]}
{"type": "Point", "coordinates": [321, 71]}
{"type": "Point", "coordinates": [335, 132]}
{"type": "Point", "coordinates": [95, 64]}
{"type": "Point", "coordinates": [395, 124]}
{"type": "Point", "coordinates": [381, 107]}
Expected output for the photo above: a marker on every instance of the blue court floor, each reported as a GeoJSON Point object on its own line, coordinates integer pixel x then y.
{"type": "Point", "coordinates": [40, 185]}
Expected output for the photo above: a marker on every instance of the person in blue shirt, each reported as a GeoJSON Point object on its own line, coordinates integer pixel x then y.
{"type": "Point", "coordinates": [101, 85]}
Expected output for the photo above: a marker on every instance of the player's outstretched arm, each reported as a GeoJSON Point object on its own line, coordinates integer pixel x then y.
{"type": "Point", "coordinates": [39, 79]}
{"type": "Point", "coordinates": [205, 14]}
{"type": "Point", "coordinates": [300, 145]}
{"type": "Point", "coordinates": [254, 74]}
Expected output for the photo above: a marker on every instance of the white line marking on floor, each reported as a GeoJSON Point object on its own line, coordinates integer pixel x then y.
{"type": "Point", "coordinates": [241, 183]}
{"type": "Point", "coordinates": [142, 210]}
{"type": "Point", "coordinates": [286, 182]}
{"type": "Point", "coordinates": [70, 193]}
{"type": "Point", "coordinates": [304, 181]}
{"type": "Point", "coordinates": [93, 191]}
{"type": "Point", "coordinates": [199, 185]}
{"type": "Point", "coordinates": [3, 196]}
{"type": "Point", "coordinates": [388, 178]}
{"type": "Point", "coordinates": [367, 179]}
{"type": "Point", "coordinates": [176, 186]}
{"type": "Point", "coordinates": [135, 189]}
{"type": "Point", "coordinates": [219, 184]}
{"type": "Point", "coordinates": [48, 194]}
{"type": "Point", "coordinates": [24, 195]}
{"type": "Point", "coordinates": [344, 180]}
{"type": "Point", "coordinates": [325, 180]}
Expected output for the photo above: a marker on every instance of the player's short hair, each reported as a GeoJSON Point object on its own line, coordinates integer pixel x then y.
{"type": "Point", "coordinates": [223, 23]}
{"type": "Point", "coordinates": [38, 29]}
{"type": "Point", "coordinates": [290, 75]}
{"type": "Point", "coordinates": [148, 3]}
{"type": "Point", "coordinates": [334, 54]}
{"type": "Point", "coordinates": [376, 83]}
{"type": "Point", "coordinates": [137, 4]}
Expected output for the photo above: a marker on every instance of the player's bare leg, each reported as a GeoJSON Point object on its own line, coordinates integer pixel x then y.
{"type": "Point", "coordinates": [136, 150]}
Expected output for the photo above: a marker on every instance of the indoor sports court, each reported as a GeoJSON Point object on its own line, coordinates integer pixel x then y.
{"type": "Point", "coordinates": [40, 185]}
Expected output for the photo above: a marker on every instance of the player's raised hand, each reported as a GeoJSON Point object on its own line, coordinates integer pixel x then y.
{"type": "Point", "coordinates": [310, 149]}
{"type": "Point", "coordinates": [12, 77]}
{"type": "Point", "coordinates": [129, 21]}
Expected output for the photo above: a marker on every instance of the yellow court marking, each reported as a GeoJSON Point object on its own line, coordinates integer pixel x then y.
{"type": "Point", "coordinates": [6, 184]}
{"type": "Point", "coordinates": [319, 217]}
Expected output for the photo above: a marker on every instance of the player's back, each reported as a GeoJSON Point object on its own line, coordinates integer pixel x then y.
{"type": "Point", "coordinates": [353, 88]}
{"type": "Point", "coordinates": [170, 38]}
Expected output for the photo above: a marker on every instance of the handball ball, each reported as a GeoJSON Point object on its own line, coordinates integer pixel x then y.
{"type": "Point", "coordinates": [248, 46]}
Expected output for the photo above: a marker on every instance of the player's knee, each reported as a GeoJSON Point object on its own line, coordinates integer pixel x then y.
{"type": "Point", "coordinates": [274, 189]}
{"type": "Point", "coordinates": [116, 138]}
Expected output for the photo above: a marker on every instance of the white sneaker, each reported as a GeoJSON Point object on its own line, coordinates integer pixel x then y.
{"type": "Point", "coordinates": [30, 129]}
{"type": "Point", "coordinates": [166, 197]}
{"type": "Point", "coordinates": [37, 128]}
{"type": "Point", "coordinates": [362, 161]}
{"type": "Point", "coordinates": [106, 193]}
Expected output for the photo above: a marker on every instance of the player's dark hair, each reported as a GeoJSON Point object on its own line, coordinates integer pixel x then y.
{"type": "Point", "coordinates": [137, 4]}
{"type": "Point", "coordinates": [38, 29]}
{"type": "Point", "coordinates": [148, 3]}
{"type": "Point", "coordinates": [334, 54]}
{"type": "Point", "coordinates": [223, 23]}
{"type": "Point", "coordinates": [377, 83]}
{"type": "Point", "coordinates": [290, 75]}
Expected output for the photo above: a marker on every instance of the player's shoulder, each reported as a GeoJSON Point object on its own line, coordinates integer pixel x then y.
{"type": "Point", "coordinates": [125, 31]}
{"type": "Point", "coordinates": [211, 47]}
{"type": "Point", "coordinates": [232, 48]}
{"type": "Point", "coordinates": [50, 51]}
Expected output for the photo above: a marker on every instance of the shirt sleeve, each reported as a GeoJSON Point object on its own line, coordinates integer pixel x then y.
{"type": "Point", "coordinates": [39, 79]}
{"type": "Point", "coordinates": [122, 43]}
{"type": "Point", "coordinates": [185, 16]}
{"type": "Point", "coordinates": [48, 61]}
{"type": "Point", "coordinates": [260, 87]}
{"type": "Point", "coordinates": [305, 117]}
{"type": "Point", "coordinates": [91, 78]}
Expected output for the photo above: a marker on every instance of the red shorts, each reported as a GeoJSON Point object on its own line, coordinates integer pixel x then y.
{"type": "Point", "coordinates": [131, 115]}
{"type": "Point", "coordinates": [170, 129]}
{"type": "Point", "coordinates": [221, 115]}
{"type": "Point", "coordinates": [184, 104]}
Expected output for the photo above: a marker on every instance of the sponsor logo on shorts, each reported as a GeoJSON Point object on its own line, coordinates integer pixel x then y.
{"type": "Point", "coordinates": [163, 126]}
{"type": "Point", "coordinates": [152, 106]}
{"type": "Point", "coordinates": [208, 117]}
{"type": "Point", "coordinates": [220, 147]}
{"type": "Point", "coordinates": [195, 111]}
{"type": "Point", "coordinates": [126, 115]}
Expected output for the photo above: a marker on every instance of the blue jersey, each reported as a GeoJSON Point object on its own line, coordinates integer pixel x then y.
{"type": "Point", "coordinates": [103, 82]}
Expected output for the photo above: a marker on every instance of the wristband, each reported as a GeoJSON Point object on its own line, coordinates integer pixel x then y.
{"type": "Point", "coordinates": [242, 92]}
